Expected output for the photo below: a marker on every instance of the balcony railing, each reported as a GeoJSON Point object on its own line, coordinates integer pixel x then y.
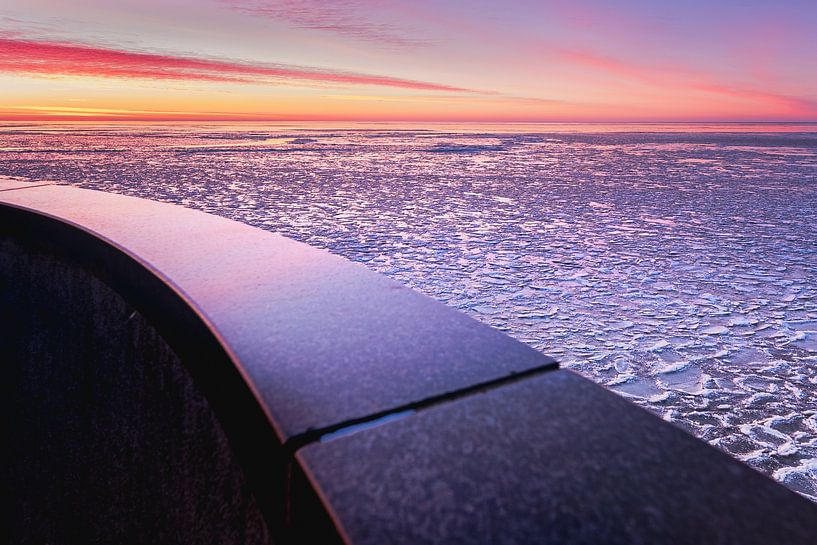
{"type": "Point", "coordinates": [176, 377]}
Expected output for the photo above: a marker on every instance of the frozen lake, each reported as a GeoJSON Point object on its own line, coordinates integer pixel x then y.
{"type": "Point", "coordinates": [676, 265]}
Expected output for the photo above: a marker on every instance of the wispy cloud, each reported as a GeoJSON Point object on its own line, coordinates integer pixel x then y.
{"type": "Point", "coordinates": [70, 112]}
{"type": "Point", "coordinates": [681, 79]}
{"type": "Point", "coordinates": [72, 59]}
{"type": "Point", "coordinates": [350, 18]}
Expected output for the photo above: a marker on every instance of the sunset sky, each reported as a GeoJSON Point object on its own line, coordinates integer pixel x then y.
{"type": "Point", "coordinates": [692, 60]}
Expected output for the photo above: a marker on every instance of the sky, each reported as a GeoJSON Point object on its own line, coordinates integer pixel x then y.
{"type": "Point", "coordinates": [382, 60]}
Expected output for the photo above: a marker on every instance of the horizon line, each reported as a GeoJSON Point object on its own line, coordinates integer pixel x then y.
{"type": "Point", "coordinates": [244, 119]}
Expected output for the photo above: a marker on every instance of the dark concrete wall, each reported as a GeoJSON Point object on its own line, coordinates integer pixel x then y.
{"type": "Point", "coordinates": [107, 439]}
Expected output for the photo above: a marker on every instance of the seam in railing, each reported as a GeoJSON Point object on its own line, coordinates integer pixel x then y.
{"type": "Point", "coordinates": [396, 413]}
{"type": "Point", "coordinates": [24, 187]}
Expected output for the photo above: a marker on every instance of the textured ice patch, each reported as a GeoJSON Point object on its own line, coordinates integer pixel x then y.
{"type": "Point", "coordinates": [801, 478]}
{"type": "Point", "coordinates": [673, 367]}
{"type": "Point", "coordinates": [658, 346]}
{"type": "Point", "coordinates": [659, 221]}
{"type": "Point", "coordinates": [715, 330]}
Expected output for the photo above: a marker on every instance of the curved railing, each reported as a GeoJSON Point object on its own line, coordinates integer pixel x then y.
{"type": "Point", "coordinates": [179, 377]}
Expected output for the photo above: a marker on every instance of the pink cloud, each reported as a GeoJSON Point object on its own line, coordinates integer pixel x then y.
{"type": "Point", "coordinates": [350, 18]}
{"type": "Point", "coordinates": [61, 58]}
{"type": "Point", "coordinates": [682, 79]}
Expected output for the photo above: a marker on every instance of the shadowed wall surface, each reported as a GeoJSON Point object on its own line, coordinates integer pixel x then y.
{"type": "Point", "coordinates": [110, 440]}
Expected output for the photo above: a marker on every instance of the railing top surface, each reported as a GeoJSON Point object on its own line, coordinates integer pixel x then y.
{"type": "Point", "coordinates": [550, 459]}
{"type": "Point", "coordinates": [322, 340]}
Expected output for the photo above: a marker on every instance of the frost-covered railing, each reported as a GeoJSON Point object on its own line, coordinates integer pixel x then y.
{"type": "Point", "coordinates": [176, 377]}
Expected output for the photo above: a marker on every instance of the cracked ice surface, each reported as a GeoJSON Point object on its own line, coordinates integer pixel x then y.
{"type": "Point", "coordinates": [675, 265]}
